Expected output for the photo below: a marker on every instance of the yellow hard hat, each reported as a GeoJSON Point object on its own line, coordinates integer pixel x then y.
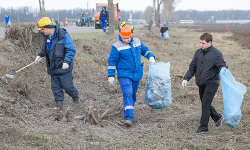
{"type": "Point", "coordinates": [44, 22]}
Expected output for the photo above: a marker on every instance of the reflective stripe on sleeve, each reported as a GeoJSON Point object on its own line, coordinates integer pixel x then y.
{"type": "Point", "coordinates": [147, 53]}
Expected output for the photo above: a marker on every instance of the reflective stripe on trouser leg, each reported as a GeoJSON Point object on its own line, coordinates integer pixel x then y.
{"type": "Point", "coordinates": [129, 89]}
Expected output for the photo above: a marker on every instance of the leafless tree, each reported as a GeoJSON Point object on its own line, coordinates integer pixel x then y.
{"type": "Point", "coordinates": [111, 17]}
{"type": "Point", "coordinates": [42, 8]}
{"type": "Point", "coordinates": [153, 16]}
{"type": "Point", "coordinates": [158, 18]}
{"type": "Point", "coordinates": [168, 8]}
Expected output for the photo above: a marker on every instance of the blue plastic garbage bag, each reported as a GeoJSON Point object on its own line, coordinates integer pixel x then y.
{"type": "Point", "coordinates": [233, 93]}
{"type": "Point", "coordinates": [165, 35]}
{"type": "Point", "coordinates": [158, 91]}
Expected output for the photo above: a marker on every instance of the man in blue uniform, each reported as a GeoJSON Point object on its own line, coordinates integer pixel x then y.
{"type": "Point", "coordinates": [125, 57]}
{"type": "Point", "coordinates": [104, 17]}
{"type": "Point", "coordinates": [59, 51]}
{"type": "Point", "coordinates": [7, 20]}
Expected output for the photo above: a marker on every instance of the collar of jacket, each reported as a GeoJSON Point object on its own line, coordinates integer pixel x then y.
{"type": "Point", "coordinates": [120, 39]}
{"type": "Point", "coordinates": [204, 51]}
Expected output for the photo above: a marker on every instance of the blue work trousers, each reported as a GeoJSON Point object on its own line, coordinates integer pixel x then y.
{"type": "Point", "coordinates": [104, 25]}
{"type": "Point", "coordinates": [60, 82]}
{"type": "Point", "coordinates": [129, 89]}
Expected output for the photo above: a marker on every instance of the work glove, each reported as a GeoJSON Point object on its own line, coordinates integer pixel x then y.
{"type": "Point", "coordinates": [111, 80]}
{"type": "Point", "coordinates": [38, 59]}
{"type": "Point", "coordinates": [152, 60]}
{"type": "Point", "coordinates": [223, 69]}
{"type": "Point", "coordinates": [65, 66]}
{"type": "Point", "coordinates": [184, 83]}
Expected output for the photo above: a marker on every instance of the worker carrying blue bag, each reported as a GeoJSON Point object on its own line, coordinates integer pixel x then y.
{"type": "Point", "coordinates": [233, 93]}
{"type": "Point", "coordinates": [158, 91]}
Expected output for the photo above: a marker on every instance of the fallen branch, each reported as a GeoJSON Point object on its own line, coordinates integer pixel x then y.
{"type": "Point", "coordinates": [116, 126]}
{"type": "Point", "coordinates": [94, 118]}
{"type": "Point", "coordinates": [105, 112]}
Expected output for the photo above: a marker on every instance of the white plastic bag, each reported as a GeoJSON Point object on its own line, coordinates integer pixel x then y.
{"type": "Point", "coordinates": [233, 93]}
{"type": "Point", "coordinates": [158, 91]}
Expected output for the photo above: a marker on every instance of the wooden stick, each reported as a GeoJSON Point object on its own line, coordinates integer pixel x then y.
{"type": "Point", "coordinates": [105, 112]}
{"type": "Point", "coordinates": [94, 118]}
{"type": "Point", "coordinates": [116, 126]}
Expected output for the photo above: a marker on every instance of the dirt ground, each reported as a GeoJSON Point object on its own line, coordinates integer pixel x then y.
{"type": "Point", "coordinates": [26, 101]}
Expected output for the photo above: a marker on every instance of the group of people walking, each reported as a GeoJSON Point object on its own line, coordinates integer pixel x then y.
{"type": "Point", "coordinates": [125, 59]}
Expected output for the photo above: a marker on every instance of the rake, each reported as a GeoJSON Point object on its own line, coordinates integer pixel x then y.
{"type": "Point", "coordinates": [10, 76]}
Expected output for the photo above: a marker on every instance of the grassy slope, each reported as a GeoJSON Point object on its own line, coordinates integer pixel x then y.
{"type": "Point", "coordinates": [169, 128]}
{"type": "Point", "coordinates": [173, 127]}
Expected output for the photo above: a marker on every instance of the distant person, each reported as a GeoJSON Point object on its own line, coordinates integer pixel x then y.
{"type": "Point", "coordinates": [64, 22]}
{"type": "Point", "coordinates": [104, 17]}
{"type": "Point", "coordinates": [59, 51]}
{"type": "Point", "coordinates": [164, 32]}
{"type": "Point", "coordinates": [53, 22]}
{"type": "Point", "coordinates": [7, 20]}
{"type": "Point", "coordinates": [125, 57]}
{"type": "Point", "coordinates": [206, 66]}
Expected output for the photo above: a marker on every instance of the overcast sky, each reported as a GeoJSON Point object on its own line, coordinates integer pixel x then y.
{"type": "Point", "coordinates": [131, 4]}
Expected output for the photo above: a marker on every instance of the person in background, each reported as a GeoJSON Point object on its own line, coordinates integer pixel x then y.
{"type": "Point", "coordinates": [53, 22]}
{"type": "Point", "coordinates": [125, 57]}
{"type": "Point", "coordinates": [206, 66]}
{"type": "Point", "coordinates": [104, 17]}
{"type": "Point", "coordinates": [59, 51]}
{"type": "Point", "coordinates": [7, 20]}
{"type": "Point", "coordinates": [164, 32]}
{"type": "Point", "coordinates": [64, 22]}
{"type": "Point", "coordinates": [67, 23]}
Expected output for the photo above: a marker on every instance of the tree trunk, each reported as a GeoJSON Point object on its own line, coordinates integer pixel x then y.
{"type": "Point", "coordinates": [169, 6]}
{"type": "Point", "coordinates": [158, 19]}
{"type": "Point", "coordinates": [111, 31]}
{"type": "Point", "coordinates": [42, 9]}
{"type": "Point", "coordinates": [153, 17]}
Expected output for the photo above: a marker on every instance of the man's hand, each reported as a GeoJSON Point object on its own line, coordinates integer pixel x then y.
{"type": "Point", "coordinates": [111, 80]}
{"type": "Point", "coordinates": [152, 60]}
{"type": "Point", "coordinates": [184, 83]}
{"type": "Point", "coordinates": [223, 69]}
{"type": "Point", "coordinates": [38, 59]}
{"type": "Point", "coordinates": [65, 66]}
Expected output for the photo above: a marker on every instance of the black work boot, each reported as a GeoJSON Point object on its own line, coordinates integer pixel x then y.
{"type": "Point", "coordinates": [76, 102]}
{"type": "Point", "coordinates": [128, 123]}
{"type": "Point", "coordinates": [59, 105]}
{"type": "Point", "coordinates": [59, 111]}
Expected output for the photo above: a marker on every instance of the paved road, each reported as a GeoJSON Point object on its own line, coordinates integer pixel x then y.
{"type": "Point", "coordinates": [2, 32]}
{"type": "Point", "coordinates": [73, 29]}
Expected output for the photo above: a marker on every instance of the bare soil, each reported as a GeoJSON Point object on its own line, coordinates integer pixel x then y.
{"type": "Point", "coordinates": [27, 117]}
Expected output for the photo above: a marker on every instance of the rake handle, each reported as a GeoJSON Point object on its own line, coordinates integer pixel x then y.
{"type": "Point", "coordinates": [25, 67]}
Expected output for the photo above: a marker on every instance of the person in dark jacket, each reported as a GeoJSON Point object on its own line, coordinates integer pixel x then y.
{"type": "Point", "coordinates": [164, 32]}
{"type": "Point", "coordinates": [59, 51]}
{"type": "Point", "coordinates": [206, 65]}
{"type": "Point", "coordinates": [125, 57]}
{"type": "Point", "coordinates": [104, 17]}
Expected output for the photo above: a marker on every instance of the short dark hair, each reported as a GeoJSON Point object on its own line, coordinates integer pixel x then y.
{"type": "Point", "coordinates": [207, 37]}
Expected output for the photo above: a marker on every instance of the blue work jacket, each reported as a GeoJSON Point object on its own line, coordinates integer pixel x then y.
{"type": "Point", "coordinates": [126, 59]}
{"type": "Point", "coordinates": [62, 51]}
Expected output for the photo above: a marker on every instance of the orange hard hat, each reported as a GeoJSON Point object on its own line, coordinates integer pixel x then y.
{"type": "Point", "coordinates": [126, 31]}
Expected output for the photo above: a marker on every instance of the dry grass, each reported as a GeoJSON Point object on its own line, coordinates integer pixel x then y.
{"type": "Point", "coordinates": [169, 128]}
